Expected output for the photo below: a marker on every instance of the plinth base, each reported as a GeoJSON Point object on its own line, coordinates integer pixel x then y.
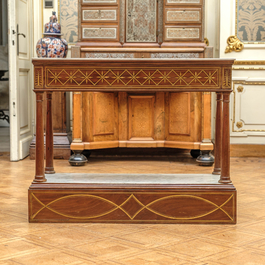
{"type": "Point", "coordinates": [61, 147]}
{"type": "Point", "coordinates": [132, 198]}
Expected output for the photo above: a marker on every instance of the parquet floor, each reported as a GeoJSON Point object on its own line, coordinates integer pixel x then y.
{"type": "Point", "coordinates": [76, 244]}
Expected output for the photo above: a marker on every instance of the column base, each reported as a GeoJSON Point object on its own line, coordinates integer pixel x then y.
{"type": "Point", "coordinates": [49, 170]}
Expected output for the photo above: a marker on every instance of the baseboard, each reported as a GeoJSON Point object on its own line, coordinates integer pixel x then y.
{"type": "Point", "coordinates": [247, 150]}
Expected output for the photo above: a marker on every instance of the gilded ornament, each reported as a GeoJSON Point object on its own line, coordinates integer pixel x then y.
{"type": "Point", "coordinates": [239, 124]}
{"type": "Point", "coordinates": [240, 89]}
{"type": "Point", "coordinates": [206, 41]}
{"type": "Point", "coordinates": [234, 44]}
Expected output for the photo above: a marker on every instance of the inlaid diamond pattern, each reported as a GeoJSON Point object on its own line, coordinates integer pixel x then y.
{"type": "Point", "coordinates": [133, 77]}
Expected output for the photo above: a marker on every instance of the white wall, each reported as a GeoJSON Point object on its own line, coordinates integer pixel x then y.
{"type": "Point", "coordinates": [247, 108]}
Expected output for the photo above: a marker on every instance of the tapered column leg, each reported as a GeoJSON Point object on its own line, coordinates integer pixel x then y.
{"type": "Point", "coordinates": [225, 168]}
{"type": "Point", "coordinates": [39, 160]}
{"type": "Point", "coordinates": [49, 169]}
{"type": "Point", "coordinates": [218, 134]}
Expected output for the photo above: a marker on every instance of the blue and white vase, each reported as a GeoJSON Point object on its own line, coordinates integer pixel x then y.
{"type": "Point", "coordinates": [51, 45]}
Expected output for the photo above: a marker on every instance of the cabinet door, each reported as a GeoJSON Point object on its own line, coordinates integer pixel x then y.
{"type": "Point", "coordinates": [183, 117]}
{"type": "Point", "coordinates": [141, 20]}
{"type": "Point", "coordinates": [141, 117]}
{"type": "Point", "coordinates": [100, 117]}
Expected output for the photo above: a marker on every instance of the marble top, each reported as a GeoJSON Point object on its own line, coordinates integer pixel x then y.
{"type": "Point", "coordinates": [103, 178]}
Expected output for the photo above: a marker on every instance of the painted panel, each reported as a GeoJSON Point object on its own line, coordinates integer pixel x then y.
{"type": "Point", "coordinates": [250, 21]}
{"type": "Point", "coordinates": [99, 15]}
{"type": "Point", "coordinates": [103, 117]}
{"type": "Point", "coordinates": [68, 19]}
{"type": "Point", "coordinates": [179, 113]}
{"type": "Point", "coordinates": [141, 116]}
{"type": "Point", "coordinates": [141, 21]}
{"type": "Point", "coordinates": [99, 33]}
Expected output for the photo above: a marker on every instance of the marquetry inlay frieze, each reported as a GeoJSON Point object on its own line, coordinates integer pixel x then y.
{"type": "Point", "coordinates": [183, 15]}
{"type": "Point", "coordinates": [99, 1]}
{"type": "Point", "coordinates": [151, 77]}
{"type": "Point", "coordinates": [175, 55]}
{"type": "Point", "coordinates": [183, 1]}
{"type": "Point", "coordinates": [91, 15]}
{"type": "Point", "coordinates": [122, 21]}
{"type": "Point", "coordinates": [126, 206]}
{"type": "Point", "coordinates": [38, 77]}
{"type": "Point", "coordinates": [227, 78]}
{"type": "Point", "coordinates": [183, 33]}
{"type": "Point", "coordinates": [100, 33]}
{"type": "Point", "coordinates": [109, 55]}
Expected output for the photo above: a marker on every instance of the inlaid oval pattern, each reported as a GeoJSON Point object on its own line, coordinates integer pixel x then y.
{"type": "Point", "coordinates": [94, 206]}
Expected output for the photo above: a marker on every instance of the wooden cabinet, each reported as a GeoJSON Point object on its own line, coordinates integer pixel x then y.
{"type": "Point", "coordinates": [142, 29]}
{"type": "Point", "coordinates": [134, 23]}
{"type": "Point", "coordinates": [123, 119]}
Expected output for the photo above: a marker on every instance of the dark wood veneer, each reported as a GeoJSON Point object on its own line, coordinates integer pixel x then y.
{"type": "Point", "coordinates": [148, 203]}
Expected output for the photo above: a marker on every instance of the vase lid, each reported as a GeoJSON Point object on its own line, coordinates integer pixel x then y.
{"type": "Point", "coordinates": [53, 27]}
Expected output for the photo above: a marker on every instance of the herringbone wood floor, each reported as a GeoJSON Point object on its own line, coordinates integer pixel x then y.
{"type": "Point", "coordinates": [24, 243]}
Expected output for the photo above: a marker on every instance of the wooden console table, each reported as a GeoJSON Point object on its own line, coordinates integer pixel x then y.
{"type": "Point", "coordinates": [133, 198]}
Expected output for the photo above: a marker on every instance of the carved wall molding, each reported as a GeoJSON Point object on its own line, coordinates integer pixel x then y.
{"type": "Point", "coordinates": [234, 44]}
{"type": "Point", "coordinates": [237, 62]}
{"type": "Point", "coordinates": [240, 124]}
{"type": "Point", "coordinates": [240, 89]}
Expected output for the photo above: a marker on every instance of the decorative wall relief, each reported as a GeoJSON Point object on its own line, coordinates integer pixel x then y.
{"type": "Point", "coordinates": [251, 20]}
{"type": "Point", "coordinates": [234, 44]}
{"type": "Point", "coordinates": [141, 20]}
{"type": "Point", "coordinates": [69, 20]}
